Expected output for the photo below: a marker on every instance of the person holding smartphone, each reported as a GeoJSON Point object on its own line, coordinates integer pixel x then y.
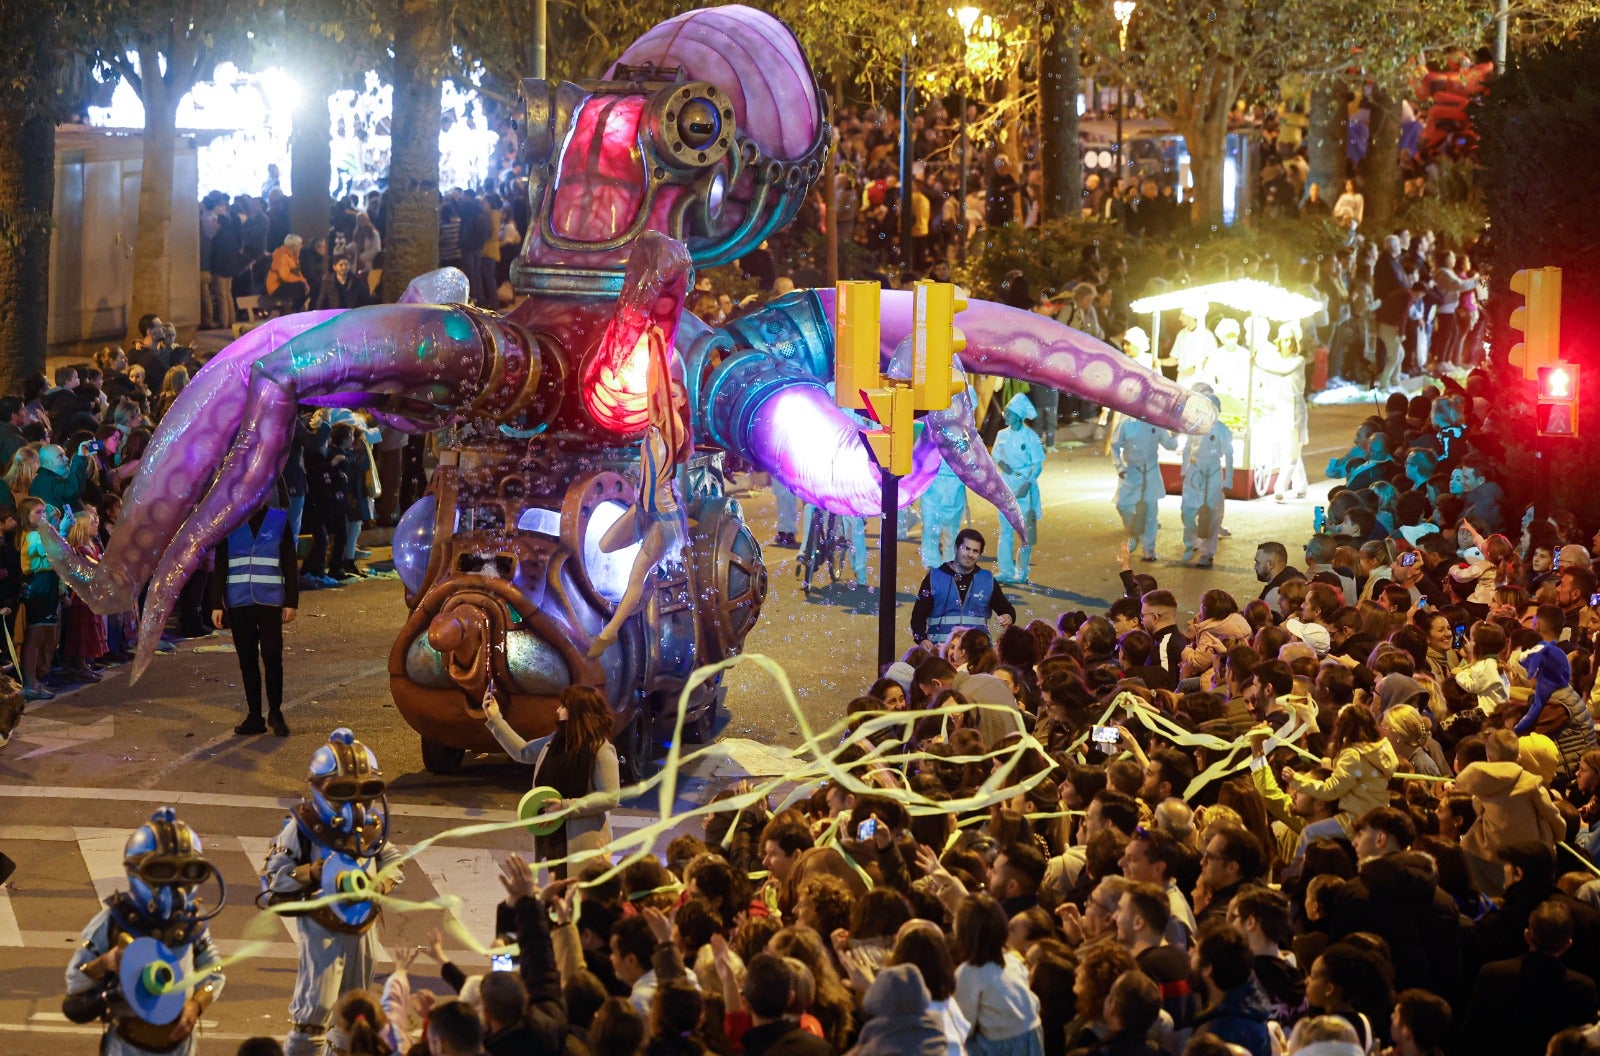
{"type": "Point", "coordinates": [578, 760]}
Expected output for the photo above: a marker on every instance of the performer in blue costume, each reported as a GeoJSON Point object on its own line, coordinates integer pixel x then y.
{"type": "Point", "coordinates": [1135, 447]}
{"type": "Point", "coordinates": [1207, 471]}
{"type": "Point", "coordinates": [1019, 455]}
{"type": "Point", "coordinates": [944, 506]}
{"type": "Point", "coordinates": [343, 825]}
{"type": "Point", "coordinates": [166, 868]}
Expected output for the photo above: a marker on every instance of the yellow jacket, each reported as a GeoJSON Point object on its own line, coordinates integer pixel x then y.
{"type": "Point", "coordinates": [1360, 780]}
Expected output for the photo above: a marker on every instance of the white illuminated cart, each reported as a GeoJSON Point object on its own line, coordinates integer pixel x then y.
{"type": "Point", "coordinates": [1255, 419]}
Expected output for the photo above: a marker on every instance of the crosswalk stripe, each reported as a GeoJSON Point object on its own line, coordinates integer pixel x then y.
{"type": "Point", "coordinates": [102, 853]}
{"type": "Point", "coordinates": [10, 930]}
{"type": "Point", "coordinates": [471, 874]}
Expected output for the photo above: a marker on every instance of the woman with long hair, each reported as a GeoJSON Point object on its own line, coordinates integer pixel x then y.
{"type": "Point", "coordinates": [1242, 796]}
{"type": "Point", "coordinates": [171, 388]}
{"type": "Point", "coordinates": [832, 1004]}
{"type": "Point", "coordinates": [978, 648]}
{"type": "Point", "coordinates": [20, 473]}
{"type": "Point", "coordinates": [920, 942]}
{"type": "Point", "coordinates": [41, 599]}
{"type": "Point", "coordinates": [991, 988]}
{"type": "Point", "coordinates": [579, 761]}
{"type": "Point", "coordinates": [84, 629]}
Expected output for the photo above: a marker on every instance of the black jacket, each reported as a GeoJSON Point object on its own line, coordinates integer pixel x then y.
{"type": "Point", "coordinates": [783, 1039]}
{"type": "Point", "coordinates": [1499, 933]}
{"type": "Point", "coordinates": [546, 1022]}
{"type": "Point", "coordinates": [226, 254]}
{"type": "Point", "coordinates": [1519, 1004]}
{"type": "Point", "coordinates": [1396, 899]}
{"type": "Point", "coordinates": [1289, 574]}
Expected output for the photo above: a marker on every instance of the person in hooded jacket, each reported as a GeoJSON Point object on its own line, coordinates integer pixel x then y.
{"type": "Point", "coordinates": [901, 1023]}
{"type": "Point", "coordinates": [1363, 762]}
{"type": "Point", "coordinates": [1019, 455]}
{"type": "Point", "coordinates": [1207, 474]}
{"type": "Point", "coordinates": [1512, 806]}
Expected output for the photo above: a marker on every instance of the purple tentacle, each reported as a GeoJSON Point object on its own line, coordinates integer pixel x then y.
{"type": "Point", "coordinates": [178, 464]}
{"type": "Point", "coordinates": [786, 422]}
{"type": "Point", "coordinates": [954, 431]}
{"type": "Point", "coordinates": [413, 349]}
{"type": "Point", "coordinates": [955, 434]}
{"type": "Point", "coordinates": [1013, 343]}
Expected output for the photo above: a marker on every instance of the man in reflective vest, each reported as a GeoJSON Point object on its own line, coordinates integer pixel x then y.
{"type": "Point", "coordinates": [255, 591]}
{"type": "Point", "coordinates": [959, 594]}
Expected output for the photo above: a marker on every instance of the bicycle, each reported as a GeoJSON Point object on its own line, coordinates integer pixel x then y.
{"type": "Point", "coordinates": [824, 545]}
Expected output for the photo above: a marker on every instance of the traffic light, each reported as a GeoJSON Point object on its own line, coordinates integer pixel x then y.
{"type": "Point", "coordinates": [856, 362]}
{"type": "Point", "coordinates": [1539, 319]}
{"type": "Point", "coordinates": [1557, 411]}
{"type": "Point", "coordinates": [892, 443]}
{"type": "Point", "coordinates": [935, 343]}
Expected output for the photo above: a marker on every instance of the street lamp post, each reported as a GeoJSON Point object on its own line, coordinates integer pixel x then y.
{"type": "Point", "coordinates": [967, 17]}
{"type": "Point", "coordinates": [1123, 9]}
{"type": "Point", "coordinates": [907, 149]}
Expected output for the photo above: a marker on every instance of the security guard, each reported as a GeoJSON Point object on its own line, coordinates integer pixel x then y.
{"type": "Point", "coordinates": [255, 592]}
{"type": "Point", "coordinates": [959, 594]}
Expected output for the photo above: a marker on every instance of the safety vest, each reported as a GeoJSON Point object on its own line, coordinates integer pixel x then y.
{"type": "Point", "coordinates": [950, 611]}
{"type": "Point", "coordinates": [254, 576]}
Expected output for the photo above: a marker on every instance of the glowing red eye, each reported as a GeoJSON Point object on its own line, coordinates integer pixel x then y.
{"type": "Point", "coordinates": [617, 381]}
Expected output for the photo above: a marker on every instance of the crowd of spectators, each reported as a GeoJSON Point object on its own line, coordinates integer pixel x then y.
{"type": "Point", "coordinates": [1356, 813]}
{"type": "Point", "coordinates": [70, 449]}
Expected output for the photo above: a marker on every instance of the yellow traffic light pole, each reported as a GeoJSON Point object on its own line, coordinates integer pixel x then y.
{"type": "Point", "coordinates": [1538, 356]}
{"type": "Point", "coordinates": [859, 384]}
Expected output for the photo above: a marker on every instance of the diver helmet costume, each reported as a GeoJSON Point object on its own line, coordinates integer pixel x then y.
{"type": "Point", "coordinates": [333, 852]}
{"type": "Point", "coordinates": [346, 809]}
{"type": "Point", "coordinates": [159, 923]}
{"type": "Point", "coordinates": [166, 867]}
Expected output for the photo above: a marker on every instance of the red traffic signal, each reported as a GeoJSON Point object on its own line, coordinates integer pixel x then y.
{"type": "Point", "coordinates": [1557, 411]}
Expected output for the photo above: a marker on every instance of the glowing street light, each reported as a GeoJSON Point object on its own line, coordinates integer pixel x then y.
{"type": "Point", "coordinates": [1123, 10]}
{"type": "Point", "coordinates": [966, 18]}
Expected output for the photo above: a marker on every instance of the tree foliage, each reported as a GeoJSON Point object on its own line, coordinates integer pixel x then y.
{"type": "Point", "coordinates": [41, 80]}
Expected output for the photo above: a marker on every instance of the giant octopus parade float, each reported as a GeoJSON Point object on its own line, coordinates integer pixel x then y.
{"type": "Point", "coordinates": [577, 528]}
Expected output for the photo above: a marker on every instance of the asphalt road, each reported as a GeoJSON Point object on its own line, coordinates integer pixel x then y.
{"type": "Point", "coordinates": [86, 768]}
